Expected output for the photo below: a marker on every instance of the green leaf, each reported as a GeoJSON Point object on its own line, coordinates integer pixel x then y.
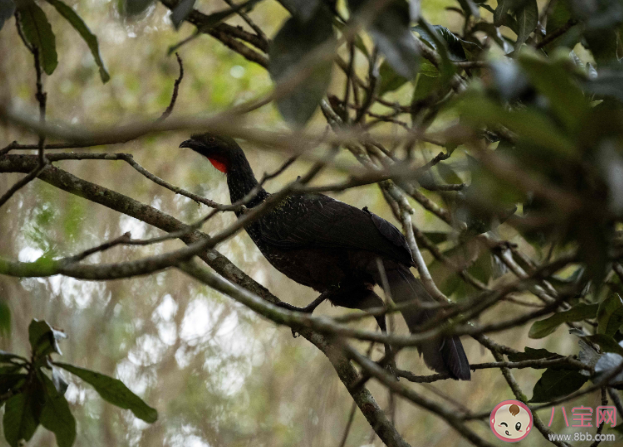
{"type": "Point", "coordinates": [470, 8]}
{"type": "Point", "coordinates": [181, 11]}
{"type": "Point", "coordinates": [437, 237]}
{"type": "Point", "coordinates": [114, 391]}
{"type": "Point", "coordinates": [609, 83]}
{"type": "Point", "coordinates": [185, 7]}
{"type": "Point", "coordinates": [603, 45]}
{"type": "Point", "coordinates": [5, 317]}
{"type": "Point", "coordinates": [7, 357]}
{"type": "Point", "coordinates": [301, 9]}
{"type": "Point", "coordinates": [527, 19]}
{"type": "Point", "coordinates": [291, 45]}
{"type": "Point", "coordinates": [543, 328]}
{"type": "Point", "coordinates": [556, 383]}
{"type": "Point", "coordinates": [135, 7]}
{"type": "Point", "coordinates": [610, 315]}
{"type": "Point", "coordinates": [559, 16]}
{"type": "Point", "coordinates": [427, 85]}
{"type": "Point", "coordinates": [606, 343]}
{"type": "Point", "coordinates": [532, 126]}
{"type": "Point", "coordinates": [91, 40]}
{"type": "Point", "coordinates": [532, 354]}
{"type": "Point", "coordinates": [448, 175]}
{"type": "Point", "coordinates": [43, 338]}
{"type": "Point", "coordinates": [482, 269]}
{"type": "Point", "coordinates": [554, 82]}
{"type": "Point", "coordinates": [453, 44]}
{"type": "Point", "coordinates": [7, 8]}
{"type": "Point", "coordinates": [21, 418]}
{"type": "Point", "coordinates": [10, 381]}
{"type": "Point", "coordinates": [390, 31]}
{"type": "Point", "coordinates": [38, 33]}
{"type": "Point", "coordinates": [56, 415]}
{"type": "Point", "coordinates": [503, 8]}
{"type": "Point", "coordinates": [389, 79]}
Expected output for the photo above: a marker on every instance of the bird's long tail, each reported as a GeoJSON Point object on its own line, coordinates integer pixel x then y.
{"type": "Point", "coordinates": [443, 355]}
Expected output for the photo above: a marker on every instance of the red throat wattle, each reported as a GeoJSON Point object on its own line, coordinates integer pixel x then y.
{"type": "Point", "coordinates": [219, 165]}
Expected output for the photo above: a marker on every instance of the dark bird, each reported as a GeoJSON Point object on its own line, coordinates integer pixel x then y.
{"type": "Point", "coordinates": [333, 248]}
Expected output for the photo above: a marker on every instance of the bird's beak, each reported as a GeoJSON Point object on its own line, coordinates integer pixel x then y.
{"type": "Point", "coordinates": [188, 143]}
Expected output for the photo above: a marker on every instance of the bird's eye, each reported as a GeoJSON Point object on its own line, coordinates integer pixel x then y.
{"type": "Point", "coordinates": [504, 424]}
{"type": "Point", "coordinates": [211, 139]}
{"type": "Point", "coordinates": [518, 426]}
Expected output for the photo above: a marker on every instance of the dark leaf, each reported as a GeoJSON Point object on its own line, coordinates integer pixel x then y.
{"type": "Point", "coordinates": [301, 9]}
{"type": "Point", "coordinates": [389, 80]}
{"type": "Point", "coordinates": [553, 81]}
{"type": "Point", "coordinates": [437, 237]}
{"type": "Point", "coordinates": [215, 18]}
{"type": "Point", "coordinates": [7, 8]}
{"type": "Point", "coordinates": [448, 175]}
{"type": "Point", "coordinates": [543, 328]}
{"type": "Point", "coordinates": [114, 391]}
{"type": "Point", "coordinates": [56, 415]}
{"type": "Point", "coordinates": [610, 361]}
{"type": "Point", "coordinates": [5, 318]}
{"type": "Point", "coordinates": [21, 416]}
{"type": "Point", "coordinates": [181, 11]}
{"type": "Point", "coordinates": [135, 7]}
{"type": "Point", "coordinates": [291, 45]}
{"type": "Point", "coordinates": [532, 354]}
{"type": "Point", "coordinates": [610, 162]}
{"type": "Point", "coordinates": [533, 127]}
{"type": "Point", "coordinates": [38, 33]}
{"type": "Point", "coordinates": [428, 85]}
{"type": "Point", "coordinates": [7, 357]}
{"type": "Point", "coordinates": [609, 84]}
{"type": "Point", "coordinates": [469, 7]}
{"type": "Point", "coordinates": [606, 343]}
{"type": "Point", "coordinates": [527, 19]}
{"type": "Point", "coordinates": [59, 381]}
{"type": "Point", "coordinates": [482, 269]}
{"type": "Point", "coordinates": [10, 381]}
{"type": "Point", "coordinates": [494, 33]}
{"type": "Point", "coordinates": [43, 338]}
{"type": "Point", "coordinates": [504, 7]}
{"type": "Point", "coordinates": [90, 38]}
{"type": "Point", "coordinates": [453, 44]}
{"type": "Point", "coordinates": [593, 238]}
{"type": "Point", "coordinates": [610, 315]}
{"type": "Point", "coordinates": [509, 81]}
{"type": "Point", "coordinates": [559, 17]}
{"type": "Point", "coordinates": [556, 383]}
{"type": "Point", "coordinates": [391, 33]}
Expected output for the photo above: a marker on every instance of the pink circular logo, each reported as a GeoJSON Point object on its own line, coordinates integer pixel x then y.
{"type": "Point", "coordinates": [511, 421]}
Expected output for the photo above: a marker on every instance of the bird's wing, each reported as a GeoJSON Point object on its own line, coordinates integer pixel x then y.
{"type": "Point", "coordinates": [318, 221]}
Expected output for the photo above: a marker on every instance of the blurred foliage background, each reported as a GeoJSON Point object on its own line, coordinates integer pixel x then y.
{"type": "Point", "coordinates": [218, 374]}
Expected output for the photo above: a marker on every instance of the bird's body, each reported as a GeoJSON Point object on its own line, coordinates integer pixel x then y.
{"type": "Point", "coordinates": [335, 249]}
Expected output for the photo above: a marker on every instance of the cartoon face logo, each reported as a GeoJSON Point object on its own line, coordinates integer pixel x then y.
{"type": "Point", "coordinates": [511, 421]}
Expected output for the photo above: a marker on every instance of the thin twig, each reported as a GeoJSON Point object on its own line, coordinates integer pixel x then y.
{"type": "Point", "coordinates": [176, 87]}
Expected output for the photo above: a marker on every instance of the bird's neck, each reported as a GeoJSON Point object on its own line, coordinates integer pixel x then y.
{"type": "Point", "coordinates": [241, 181]}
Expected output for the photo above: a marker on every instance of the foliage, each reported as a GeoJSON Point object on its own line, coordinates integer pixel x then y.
{"type": "Point", "coordinates": [33, 390]}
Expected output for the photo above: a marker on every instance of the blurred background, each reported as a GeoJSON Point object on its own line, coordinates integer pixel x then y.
{"type": "Point", "coordinates": [218, 374]}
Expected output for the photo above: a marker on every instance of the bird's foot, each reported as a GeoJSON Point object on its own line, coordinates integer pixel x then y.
{"type": "Point", "coordinates": [391, 368]}
{"type": "Point", "coordinates": [309, 309]}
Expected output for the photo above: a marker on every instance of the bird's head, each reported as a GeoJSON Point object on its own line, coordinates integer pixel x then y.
{"type": "Point", "coordinates": [221, 151]}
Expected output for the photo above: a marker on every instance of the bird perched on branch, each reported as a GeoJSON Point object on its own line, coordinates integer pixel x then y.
{"type": "Point", "coordinates": [335, 249]}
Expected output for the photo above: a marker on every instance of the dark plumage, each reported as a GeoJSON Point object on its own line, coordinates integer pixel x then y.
{"type": "Point", "coordinates": [333, 247]}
